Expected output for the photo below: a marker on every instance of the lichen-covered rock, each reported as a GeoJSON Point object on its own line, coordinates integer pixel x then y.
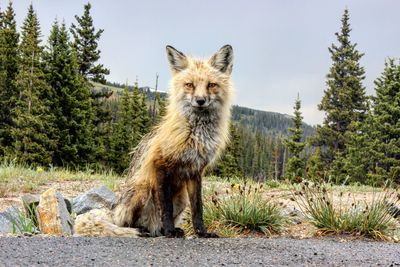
{"type": "Point", "coordinates": [96, 198]}
{"type": "Point", "coordinates": [52, 214]}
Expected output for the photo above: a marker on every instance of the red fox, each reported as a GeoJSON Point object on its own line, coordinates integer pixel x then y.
{"type": "Point", "coordinates": [168, 164]}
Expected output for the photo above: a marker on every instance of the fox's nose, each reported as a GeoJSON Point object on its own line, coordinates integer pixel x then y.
{"type": "Point", "coordinates": [200, 101]}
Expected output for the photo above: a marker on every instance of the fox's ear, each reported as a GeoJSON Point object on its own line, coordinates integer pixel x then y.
{"type": "Point", "coordinates": [223, 59]}
{"type": "Point", "coordinates": [177, 59]}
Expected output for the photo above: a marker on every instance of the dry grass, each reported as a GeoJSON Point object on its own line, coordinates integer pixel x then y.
{"type": "Point", "coordinates": [24, 179]}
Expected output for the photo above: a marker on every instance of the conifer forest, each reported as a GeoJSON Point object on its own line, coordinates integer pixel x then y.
{"type": "Point", "coordinates": [57, 109]}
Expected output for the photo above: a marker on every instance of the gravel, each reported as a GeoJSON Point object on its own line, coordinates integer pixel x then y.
{"type": "Point", "coordinates": [79, 251]}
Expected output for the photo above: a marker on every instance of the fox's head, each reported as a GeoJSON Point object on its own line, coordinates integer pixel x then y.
{"type": "Point", "coordinates": [200, 85]}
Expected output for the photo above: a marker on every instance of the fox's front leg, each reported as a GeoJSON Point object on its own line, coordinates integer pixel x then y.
{"type": "Point", "coordinates": [196, 204]}
{"type": "Point", "coordinates": [164, 197]}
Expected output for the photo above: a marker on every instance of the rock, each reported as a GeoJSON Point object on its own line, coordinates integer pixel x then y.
{"type": "Point", "coordinates": [30, 203]}
{"type": "Point", "coordinates": [295, 215]}
{"type": "Point", "coordinates": [393, 209]}
{"type": "Point", "coordinates": [12, 220]}
{"type": "Point", "coordinates": [69, 205]}
{"type": "Point", "coordinates": [53, 215]}
{"type": "Point", "coordinates": [96, 198]}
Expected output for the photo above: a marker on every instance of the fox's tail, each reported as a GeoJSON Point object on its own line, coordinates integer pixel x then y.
{"type": "Point", "coordinates": [99, 222]}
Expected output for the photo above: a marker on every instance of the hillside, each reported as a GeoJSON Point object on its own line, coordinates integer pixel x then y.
{"type": "Point", "coordinates": [266, 121]}
{"type": "Point", "coordinates": [256, 120]}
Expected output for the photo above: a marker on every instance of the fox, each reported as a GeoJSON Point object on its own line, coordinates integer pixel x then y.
{"type": "Point", "coordinates": [167, 166]}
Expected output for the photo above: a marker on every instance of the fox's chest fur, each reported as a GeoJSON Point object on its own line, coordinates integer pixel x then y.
{"type": "Point", "coordinates": [203, 142]}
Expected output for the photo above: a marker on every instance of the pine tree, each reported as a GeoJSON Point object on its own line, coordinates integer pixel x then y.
{"type": "Point", "coordinates": [385, 130]}
{"type": "Point", "coordinates": [141, 116]}
{"type": "Point", "coordinates": [132, 124]}
{"type": "Point", "coordinates": [32, 121]}
{"type": "Point", "coordinates": [228, 166]}
{"type": "Point", "coordinates": [315, 167]}
{"type": "Point", "coordinates": [124, 136]}
{"type": "Point", "coordinates": [86, 44]}
{"type": "Point", "coordinates": [162, 109]}
{"type": "Point", "coordinates": [71, 104]}
{"type": "Point", "coordinates": [374, 150]}
{"type": "Point", "coordinates": [295, 164]}
{"type": "Point", "coordinates": [358, 159]}
{"type": "Point", "coordinates": [276, 160]}
{"type": "Point", "coordinates": [9, 39]}
{"type": "Point", "coordinates": [1, 19]}
{"type": "Point", "coordinates": [344, 100]}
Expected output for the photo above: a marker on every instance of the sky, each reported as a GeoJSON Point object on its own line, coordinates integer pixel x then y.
{"type": "Point", "coordinates": [280, 47]}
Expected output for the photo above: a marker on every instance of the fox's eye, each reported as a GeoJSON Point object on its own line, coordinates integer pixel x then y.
{"type": "Point", "coordinates": [211, 85]}
{"type": "Point", "coordinates": [189, 85]}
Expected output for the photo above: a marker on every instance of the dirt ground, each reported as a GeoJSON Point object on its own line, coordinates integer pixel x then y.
{"type": "Point", "coordinates": [70, 189]}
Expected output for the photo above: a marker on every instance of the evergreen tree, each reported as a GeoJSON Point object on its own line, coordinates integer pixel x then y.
{"type": "Point", "coordinates": [276, 160]}
{"type": "Point", "coordinates": [374, 149]}
{"type": "Point", "coordinates": [228, 166]}
{"type": "Point", "coordinates": [386, 125]}
{"type": "Point", "coordinates": [295, 164]}
{"type": "Point", "coordinates": [9, 39]}
{"type": "Point", "coordinates": [101, 122]}
{"type": "Point", "coordinates": [140, 113]}
{"type": "Point", "coordinates": [315, 167]}
{"type": "Point", "coordinates": [32, 121]}
{"type": "Point", "coordinates": [1, 19]}
{"type": "Point", "coordinates": [358, 152]}
{"type": "Point", "coordinates": [86, 39]}
{"type": "Point", "coordinates": [86, 44]}
{"type": "Point", "coordinates": [344, 100]}
{"type": "Point", "coordinates": [71, 104]}
{"type": "Point", "coordinates": [124, 136]}
{"type": "Point", "coordinates": [162, 109]}
{"type": "Point", "coordinates": [132, 124]}
{"type": "Point", "coordinates": [385, 131]}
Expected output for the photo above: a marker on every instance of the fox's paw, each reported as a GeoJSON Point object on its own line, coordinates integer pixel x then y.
{"type": "Point", "coordinates": [177, 232]}
{"type": "Point", "coordinates": [207, 235]}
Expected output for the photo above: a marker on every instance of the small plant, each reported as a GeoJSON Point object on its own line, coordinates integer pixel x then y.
{"type": "Point", "coordinates": [273, 183]}
{"type": "Point", "coordinates": [368, 218]}
{"type": "Point", "coordinates": [23, 225]}
{"type": "Point", "coordinates": [242, 209]}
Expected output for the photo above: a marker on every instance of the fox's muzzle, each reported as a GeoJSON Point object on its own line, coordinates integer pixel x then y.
{"type": "Point", "coordinates": [200, 102]}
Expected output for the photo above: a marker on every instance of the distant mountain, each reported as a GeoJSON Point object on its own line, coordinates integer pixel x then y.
{"type": "Point", "coordinates": [266, 121]}
{"type": "Point", "coordinates": [256, 120]}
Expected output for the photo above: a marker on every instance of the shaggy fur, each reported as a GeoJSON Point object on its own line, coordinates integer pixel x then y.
{"type": "Point", "coordinates": [167, 166]}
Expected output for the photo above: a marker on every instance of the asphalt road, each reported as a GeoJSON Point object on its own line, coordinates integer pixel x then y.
{"type": "Point", "coordinates": [77, 251]}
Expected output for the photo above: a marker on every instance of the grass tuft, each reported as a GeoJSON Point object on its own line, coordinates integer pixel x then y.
{"type": "Point", "coordinates": [240, 210]}
{"type": "Point", "coordinates": [344, 215]}
{"type": "Point", "coordinates": [24, 225]}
